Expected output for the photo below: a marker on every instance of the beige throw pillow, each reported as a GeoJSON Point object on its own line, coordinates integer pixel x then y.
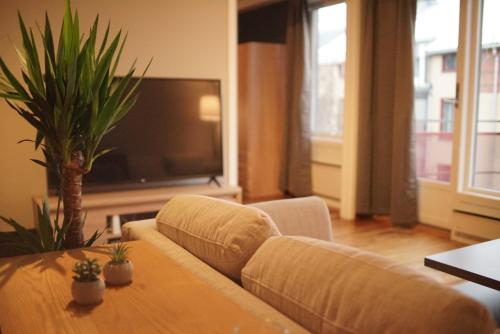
{"type": "Point", "coordinates": [331, 288]}
{"type": "Point", "coordinates": [222, 234]}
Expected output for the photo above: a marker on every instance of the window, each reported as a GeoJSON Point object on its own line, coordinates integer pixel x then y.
{"type": "Point", "coordinates": [435, 82]}
{"type": "Point", "coordinates": [447, 110]}
{"type": "Point", "coordinates": [329, 53]}
{"type": "Point", "coordinates": [485, 141]}
{"type": "Point", "coordinates": [450, 62]}
{"type": "Point", "coordinates": [457, 109]}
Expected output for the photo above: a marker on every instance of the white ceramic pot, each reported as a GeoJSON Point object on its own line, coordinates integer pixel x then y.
{"type": "Point", "coordinates": [118, 274]}
{"type": "Point", "coordinates": [88, 293]}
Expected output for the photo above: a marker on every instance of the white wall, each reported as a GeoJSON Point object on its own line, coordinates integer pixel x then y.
{"type": "Point", "coordinates": [187, 39]}
{"type": "Point", "coordinates": [326, 169]}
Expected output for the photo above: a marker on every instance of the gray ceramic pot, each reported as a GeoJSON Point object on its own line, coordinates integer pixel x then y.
{"type": "Point", "coordinates": [118, 274]}
{"type": "Point", "coordinates": [88, 293]}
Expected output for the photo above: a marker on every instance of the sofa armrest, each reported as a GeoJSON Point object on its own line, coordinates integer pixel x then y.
{"type": "Point", "coordinates": [306, 216]}
{"type": "Point", "coordinates": [127, 227]}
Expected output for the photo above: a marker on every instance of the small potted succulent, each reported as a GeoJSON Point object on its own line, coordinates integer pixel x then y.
{"type": "Point", "coordinates": [87, 287]}
{"type": "Point", "coordinates": [119, 268]}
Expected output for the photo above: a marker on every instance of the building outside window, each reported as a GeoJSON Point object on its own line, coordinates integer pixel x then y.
{"type": "Point", "coordinates": [435, 85]}
{"type": "Point", "coordinates": [328, 84]}
{"type": "Point", "coordinates": [447, 111]}
{"type": "Point", "coordinates": [450, 62]}
{"type": "Point", "coordinates": [485, 154]}
{"type": "Point", "coordinates": [435, 89]}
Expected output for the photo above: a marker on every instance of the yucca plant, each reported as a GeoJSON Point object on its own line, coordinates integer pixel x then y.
{"type": "Point", "coordinates": [72, 99]}
{"type": "Point", "coordinates": [118, 254]}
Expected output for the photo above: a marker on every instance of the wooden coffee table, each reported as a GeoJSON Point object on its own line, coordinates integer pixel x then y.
{"type": "Point", "coordinates": [35, 297]}
{"type": "Point", "coordinates": [479, 263]}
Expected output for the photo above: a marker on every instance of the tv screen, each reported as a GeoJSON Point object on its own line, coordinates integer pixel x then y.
{"type": "Point", "coordinates": [173, 132]}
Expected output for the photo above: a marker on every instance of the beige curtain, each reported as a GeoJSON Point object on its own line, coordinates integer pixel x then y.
{"type": "Point", "coordinates": [387, 181]}
{"type": "Point", "coordinates": [296, 162]}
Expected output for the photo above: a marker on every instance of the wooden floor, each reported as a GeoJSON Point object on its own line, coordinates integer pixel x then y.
{"type": "Point", "coordinates": [406, 246]}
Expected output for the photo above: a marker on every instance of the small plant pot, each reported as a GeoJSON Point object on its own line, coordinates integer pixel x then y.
{"type": "Point", "coordinates": [88, 293]}
{"type": "Point", "coordinates": [118, 274]}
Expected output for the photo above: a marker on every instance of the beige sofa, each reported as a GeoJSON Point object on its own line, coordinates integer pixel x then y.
{"type": "Point", "coordinates": [350, 295]}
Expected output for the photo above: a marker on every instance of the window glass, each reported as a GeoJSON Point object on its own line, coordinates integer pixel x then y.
{"type": "Point", "coordinates": [329, 52]}
{"type": "Point", "coordinates": [486, 140]}
{"type": "Point", "coordinates": [447, 112]}
{"type": "Point", "coordinates": [435, 81]}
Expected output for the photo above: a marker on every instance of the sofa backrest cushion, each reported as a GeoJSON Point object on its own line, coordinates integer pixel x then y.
{"type": "Point", "coordinates": [302, 216]}
{"type": "Point", "coordinates": [331, 288]}
{"type": "Point", "coordinates": [222, 234]}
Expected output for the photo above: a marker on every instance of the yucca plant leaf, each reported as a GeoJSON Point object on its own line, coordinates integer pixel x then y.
{"type": "Point", "coordinates": [27, 141]}
{"type": "Point", "coordinates": [39, 162]}
{"type": "Point", "coordinates": [59, 242]}
{"type": "Point", "coordinates": [93, 238]}
{"type": "Point", "coordinates": [104, 42]}
{"type": "Point", "coordinates": [48, 40]}
{"type": "Point", "coordinates": [104, 63]}
{"type": "Point", "coordinates": [45, 228]}
{"type": "Point", "coordinates": [97, 155]}
{"type": "Point", "coordinates": [18, 247]}
{"type": "Point", "coordinates": [38, 139]}
{"type": "Point", "coordinates": [28, 238]}
{"type": "Point", "coordinates": [133, 89]}
{"type": "Point", "coordinates": [19, 89]}
{"type": "Point", "coordinates": [118, 56]}
{"type": "Point", "coordinates": [12, 97]}
{"type": "Point", "coordinates": [31, 54]}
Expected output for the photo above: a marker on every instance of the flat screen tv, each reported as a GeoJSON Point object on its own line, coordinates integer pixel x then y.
{"type": "Point", "coordinates": [173, 132]}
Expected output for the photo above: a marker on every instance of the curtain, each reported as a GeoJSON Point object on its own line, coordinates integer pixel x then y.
{"type": "Point", "coordinates": [296, 161]}
{"type": "Point", "coordinates": [386, 176]}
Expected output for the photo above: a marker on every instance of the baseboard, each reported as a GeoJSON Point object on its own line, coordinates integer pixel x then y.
{"type": "Point", "coordinates": [466, 238]}
{"type": "Point", "coordinates": [471, 228]}
{"type": "Point", "coordinates": [434, 221]}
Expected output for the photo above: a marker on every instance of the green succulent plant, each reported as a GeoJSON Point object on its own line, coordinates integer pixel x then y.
{"type": "Point", "coordinates": [87, 270]}
{"type": "Point", "coordinates": [118, 254]}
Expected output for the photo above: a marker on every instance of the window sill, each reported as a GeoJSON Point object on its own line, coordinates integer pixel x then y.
{"type": "Point", "coordinates": [478, 204]}
{"type": "Point", "coordinates": [435, 184]}
{"type": "Point", "coordinates": [328, 140]}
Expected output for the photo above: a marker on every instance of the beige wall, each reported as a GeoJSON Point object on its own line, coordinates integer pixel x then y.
{"type": "Point", "coordinates": [326, 169]}
{"type": "Point", "coordinates": [188, 39]}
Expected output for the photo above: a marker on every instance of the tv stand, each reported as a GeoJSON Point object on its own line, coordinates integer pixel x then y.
{"type": "Point", "coordinates": [103, 207]}
{"type": "Point", "coordinates": [213, 179]}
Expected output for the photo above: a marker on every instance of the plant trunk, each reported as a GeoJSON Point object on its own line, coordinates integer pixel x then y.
{"type": "Point", "coordinates": [72, 200]}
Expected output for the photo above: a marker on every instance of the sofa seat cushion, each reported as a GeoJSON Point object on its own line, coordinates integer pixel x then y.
{"type": "Point", "coordinates": [331, 288]}
{"type": "Point", "coordinates": [222, 234]}
{"type": "Point", "coordinates": [146, 230]}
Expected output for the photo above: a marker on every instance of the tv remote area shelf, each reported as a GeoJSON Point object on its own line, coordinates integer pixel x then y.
{"type": "Point", "coordinates": [102, 207]}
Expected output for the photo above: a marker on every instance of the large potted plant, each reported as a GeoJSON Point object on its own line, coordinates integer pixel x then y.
{"type": "Point", "coordinates": [72, 101]}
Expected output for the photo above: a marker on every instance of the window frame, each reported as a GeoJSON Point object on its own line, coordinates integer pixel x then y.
{"type": "Point", "coordinates": [473, 92]}
{"type": "Point", "coordinates": [467, 198]}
